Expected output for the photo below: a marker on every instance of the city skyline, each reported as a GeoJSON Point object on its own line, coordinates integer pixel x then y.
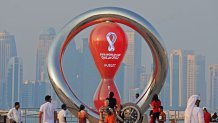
{"type": "Point", "coordinates": [193, 64]}
{"type": "Point", "coordinates": [184, 27]}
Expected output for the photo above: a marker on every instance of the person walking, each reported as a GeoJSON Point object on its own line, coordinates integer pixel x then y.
{"type": "Point", "coordinates": [193, 113]}
{"type": "Point", "coordinates": [82, 115]}
{"type": "Point", "coordinates": [155, 104]}
{"type": "Point", "coordinates": [62, 114]}
{"type": "Point", "coordinates": [47, 112]}
{"type": "Point", "coordinates": [14, 114]}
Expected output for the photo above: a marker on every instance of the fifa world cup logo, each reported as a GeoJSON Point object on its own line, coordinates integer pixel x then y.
{"type": "Point", "coordinates": [111, 42]}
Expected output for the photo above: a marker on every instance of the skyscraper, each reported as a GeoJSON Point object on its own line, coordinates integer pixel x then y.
{"type": "Point", "coordinates": [212, 90]}
{"type": "Point", "coordinates": [42, 88]}
{"type": "Point", "coordinates": [196, 76]}
{"type": "Point", "coordinates": [191, 78]}
{"type": "Point", "coordinates": [45, 40]}
{"type": "Point", "coordinates": [132, 61]}
{"type": "Point", "coordinates": [14, 81]}
{"type": "Point", "coordinates": [42, 80]}
{"type": "Point", "coordinates": [28, 94]}
{"type": "Point", "coordinates": [187, 77]}
{"type": "Point", "coordinates": [200, 78]}
{"type": "Point", "coordinates": [178, 76]}
{"type": "Point", "coordinates": [7, 50]}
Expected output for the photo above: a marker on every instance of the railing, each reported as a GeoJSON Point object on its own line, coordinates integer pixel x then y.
{"type": "Point", "coordinates": [171, 116]}
{"type": "Point", "coordinates": [30, 115]}
{"type": "Point", "coordinates": [175, 115]}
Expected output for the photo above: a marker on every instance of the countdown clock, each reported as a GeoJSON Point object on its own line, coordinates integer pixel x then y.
{"type": "Point", "coordinates": [131, 113]}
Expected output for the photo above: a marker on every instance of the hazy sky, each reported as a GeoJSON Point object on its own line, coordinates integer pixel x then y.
{"type": "Point", "coordinates": [186, 24]}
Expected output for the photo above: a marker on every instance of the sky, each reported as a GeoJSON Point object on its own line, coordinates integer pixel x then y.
{"type": "Point", "coordinates": [182, 24]}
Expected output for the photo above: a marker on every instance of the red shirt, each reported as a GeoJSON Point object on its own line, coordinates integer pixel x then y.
{"type": "Point", "coordinates": [207, 117]}
{"type": "Point", "coordinates": [82, 116]}
{"type": "Point", "coordinates": [110, 119]}
{"type": "Point", "coordinates": [155, 106]}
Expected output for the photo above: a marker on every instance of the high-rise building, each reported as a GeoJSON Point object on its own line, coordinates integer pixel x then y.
{"type": "Point", "coordinates": [196, 76]}
{"type": "Point", "coordinates": [191, 78]}
{"type": "Point", "coordinates": [178, 76]}
{"type": "Point", "coordinates": [212, 88]}
{"type": "Point", "coordinates": [42, 79]}
{"type": "Point", "coordinates": [45, 40]}
{"type": "Point", "coordinates": [187, 77]}
{"type": "Point", "coordinates": [7, 50]}
{"type": "Point", "coordinates": [28, 94]}
{"type": "Point", "coordinates": [42, 88]}
{"type": "Point", "coordinates": [14, 81]}
{"type": "Point", "coordinates": [200, 78]}
{"type": "Point", "coordinates": [132, 61]}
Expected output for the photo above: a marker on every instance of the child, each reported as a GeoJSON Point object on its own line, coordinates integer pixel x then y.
{"type": "Point", "coordinates": [110, 118]}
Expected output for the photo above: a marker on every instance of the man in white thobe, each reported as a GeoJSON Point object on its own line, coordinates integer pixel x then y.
{"type": "Point", "coordinates": [194, 114]}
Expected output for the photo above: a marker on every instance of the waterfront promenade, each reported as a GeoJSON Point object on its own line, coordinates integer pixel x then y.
{"type": "Point", "coordinates": [30, 115]}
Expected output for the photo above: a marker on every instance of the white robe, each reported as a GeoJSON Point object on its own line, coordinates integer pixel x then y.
{"type": "Point", "coordinates": [193, 114]}
{"type": "Point", "coordinates": [197, 115]}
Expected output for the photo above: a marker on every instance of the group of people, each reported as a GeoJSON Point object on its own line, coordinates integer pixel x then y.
{"type": "Point", "coordinates": [195, 114]}
{"type": "Point", "coordinates": [47, 113]}
{"type": "Point", "coordinates": [109, 112]}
